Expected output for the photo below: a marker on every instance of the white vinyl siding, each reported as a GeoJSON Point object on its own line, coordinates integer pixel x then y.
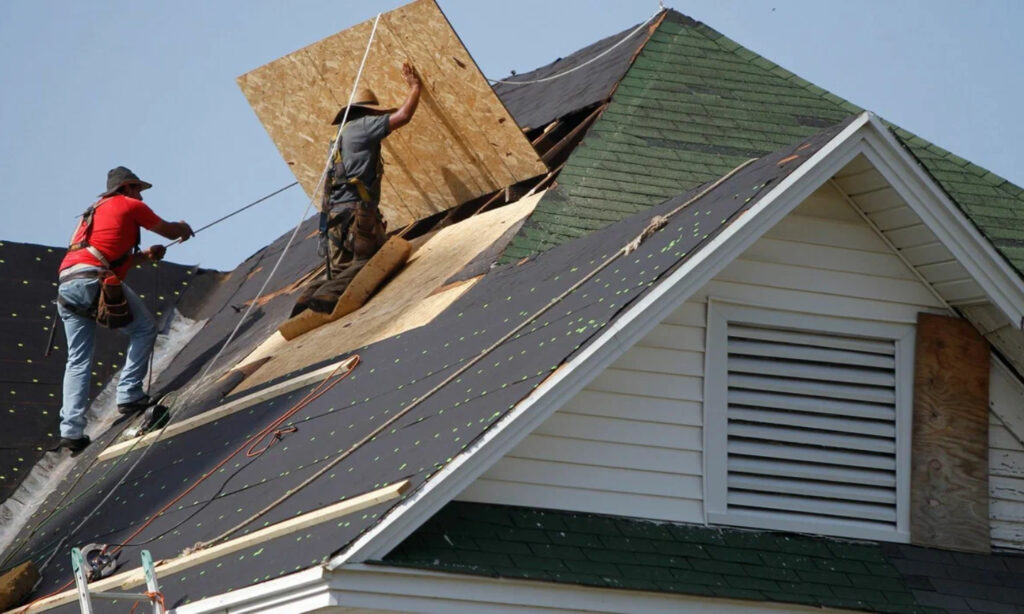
{"type": "Point", "coordinates": [1006, 459]}
{"type": "Point", "coordinates": [810, 426]}
{"type": "Point", "coordinates": [642, 419]}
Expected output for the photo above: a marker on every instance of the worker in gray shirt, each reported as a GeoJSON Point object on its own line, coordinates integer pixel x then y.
{"type": "Point", "coordinates": [352, 228]}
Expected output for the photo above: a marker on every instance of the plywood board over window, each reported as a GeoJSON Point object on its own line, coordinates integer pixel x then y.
{"type": "Point", "coordinates": [949, 493]}
{"type": "Point", "coordinates": [462, 142]}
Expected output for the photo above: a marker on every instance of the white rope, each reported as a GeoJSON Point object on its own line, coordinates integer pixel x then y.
{"type": "Point", "coordinates": [316, 190]}
{"type": "Point", "coordinates": [590, 61]}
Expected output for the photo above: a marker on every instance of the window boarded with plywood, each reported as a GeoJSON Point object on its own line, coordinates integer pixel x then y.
{"type": "Point", "coordinates": [462, 143]}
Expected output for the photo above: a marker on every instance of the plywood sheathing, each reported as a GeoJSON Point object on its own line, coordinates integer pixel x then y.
{"type": "Point", "coordinates": [949, 481]}
{"type": "Point", "coordinates": [462, 142]}
{"type": "Point", "coordinates": [414, 298]}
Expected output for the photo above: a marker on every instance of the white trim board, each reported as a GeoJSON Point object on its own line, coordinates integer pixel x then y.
{"type": "Point", "coordinates": [177, 428]}
{"type": "Point", "coordinates": [387, 589]}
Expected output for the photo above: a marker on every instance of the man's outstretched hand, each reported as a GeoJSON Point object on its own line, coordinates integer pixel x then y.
{"type": "Point", "coordinates": [410, 75]}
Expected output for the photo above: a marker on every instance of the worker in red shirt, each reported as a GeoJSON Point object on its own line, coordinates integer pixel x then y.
{"type": "Point", "coordinates": [103, 248]}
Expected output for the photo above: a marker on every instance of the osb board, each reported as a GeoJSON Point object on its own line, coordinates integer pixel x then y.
{"type": "Point", "coordinates": [461, 143]}
{"type": "Point", "coordinates": [949, 481]}
{"type": "Point", "coordinates": [411, 299]}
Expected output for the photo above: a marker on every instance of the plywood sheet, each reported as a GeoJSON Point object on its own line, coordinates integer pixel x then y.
{"type": "Point", "coordinates": [410, 300]}
{"type": "Point", "coordinates": [949, 488]}
{"type": "Point", "coordinates": [462, 142]}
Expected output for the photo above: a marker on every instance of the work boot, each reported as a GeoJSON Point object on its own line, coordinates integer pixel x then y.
{"type": "Point", "coordinates": [75, 445]}
{"type": "Point", "coordinates": [135, 406]}
{"type": "Point", "coordinates": [322, 304]}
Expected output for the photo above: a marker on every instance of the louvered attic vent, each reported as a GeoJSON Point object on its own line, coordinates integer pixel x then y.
{"type": "Point", "coordinates": [811, 425]}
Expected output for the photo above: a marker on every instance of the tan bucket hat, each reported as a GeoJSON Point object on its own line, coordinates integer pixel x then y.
{"type": "Point", "coordinates": [366, 99]}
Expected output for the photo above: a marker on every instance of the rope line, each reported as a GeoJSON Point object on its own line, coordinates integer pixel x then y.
{"type": "Point", "coordinates": [316, 190]}
{"type": "Point", "coordinates": [588, 62]}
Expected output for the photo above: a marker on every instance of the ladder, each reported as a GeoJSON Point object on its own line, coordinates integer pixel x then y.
{"type": "Point", "coordinates": [152, 593]}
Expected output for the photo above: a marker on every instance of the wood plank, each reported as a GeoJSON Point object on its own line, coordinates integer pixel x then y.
{"type": "Point", "coordinates": [135, 577]}
{"type": "Point", "coordinates": [461, 144]}
{"type": "Point", "coordinates": [222, 411]}
{"type": "Point", "coordinates": [949, 481]}
{"type": "Point", "coordinates": [413, 298]}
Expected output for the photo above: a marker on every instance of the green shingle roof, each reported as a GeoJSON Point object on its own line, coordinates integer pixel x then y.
{"type": "Point", "coordinates": [627, 553]}
{"type": "Point", "coordinates": [695, 104]}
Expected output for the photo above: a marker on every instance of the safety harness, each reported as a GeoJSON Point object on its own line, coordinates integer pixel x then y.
{"type": "Point", "coordinates": [85, 226]}
{"type": "Point", "coordinates": [345, 218]}
{"type": "Point", "coordinates": [110, 307]}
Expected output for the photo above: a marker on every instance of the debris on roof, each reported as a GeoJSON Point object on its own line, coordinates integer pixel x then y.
{"type": "Point", "coordinates": [413, 298]}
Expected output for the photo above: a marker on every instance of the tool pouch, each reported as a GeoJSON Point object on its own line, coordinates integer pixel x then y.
{"type": "Point", "coordinates": [368, 231]}
{"type": "Point", "coordinates": [112, 310]}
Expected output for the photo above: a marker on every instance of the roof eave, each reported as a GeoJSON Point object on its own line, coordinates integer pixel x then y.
{"type": "Point", "coordinates": [1002, 284]}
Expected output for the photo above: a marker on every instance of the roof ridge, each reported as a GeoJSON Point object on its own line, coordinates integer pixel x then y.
{"type": "Point", "coordinates": [995, 180]}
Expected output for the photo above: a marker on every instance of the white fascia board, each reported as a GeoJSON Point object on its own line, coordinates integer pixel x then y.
{"type": "Point", "coordinates": [622, 334]}
{"type": "Point", "coordinates": [303, 591]}
{"type": "Point", "coordinates": [431, 592]}
{"type": "Point", "coordinates": [1001, 283]}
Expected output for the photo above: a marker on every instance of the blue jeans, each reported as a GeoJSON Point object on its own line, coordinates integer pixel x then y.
{"type": "Point", "coordinates": [81, 335]}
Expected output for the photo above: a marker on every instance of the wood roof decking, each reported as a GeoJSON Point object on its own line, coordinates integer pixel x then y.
{"type": "Point", "coordinates": [461, 144]}
{"type": "Point", "coordinates": [412, 299]}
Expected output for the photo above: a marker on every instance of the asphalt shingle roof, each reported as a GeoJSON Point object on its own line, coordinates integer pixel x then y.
{"type": "Point", "coordinates": [693, 105]}
{"type": "Point", "coordinates": [626, 553]}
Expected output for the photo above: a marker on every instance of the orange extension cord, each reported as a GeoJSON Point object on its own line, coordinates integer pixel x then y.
{"type": "Point", "coordinates": [249, 446]}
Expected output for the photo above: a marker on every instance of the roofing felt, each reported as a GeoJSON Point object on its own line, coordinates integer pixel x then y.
{"type": "Point", "coordinates": [694, 104]}
{"type": "Point", "coordinates": [626, 553]}
{"type": "Point", "coordinates": [392, 374]}
{"type": "Point", "coordinates": [534, 105]}
{"type": "Point", "coordinates": [32, 400]}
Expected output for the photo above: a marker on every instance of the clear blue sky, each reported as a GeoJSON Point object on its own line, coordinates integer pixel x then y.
{"type": "Point", "coordinates": [85, 86]}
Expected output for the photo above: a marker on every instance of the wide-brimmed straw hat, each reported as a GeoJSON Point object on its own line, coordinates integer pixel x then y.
{"type": "Point", "coordinates": [121, 176]}
{"type": "Point", "coordinates": [366, 99]}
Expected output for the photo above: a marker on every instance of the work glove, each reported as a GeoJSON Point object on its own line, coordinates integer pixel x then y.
{"type": "Point", "coordinates": [156, 252]}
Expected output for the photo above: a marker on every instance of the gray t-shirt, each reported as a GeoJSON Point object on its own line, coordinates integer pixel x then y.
{"type": "Point", "coordinates": [360, 152]}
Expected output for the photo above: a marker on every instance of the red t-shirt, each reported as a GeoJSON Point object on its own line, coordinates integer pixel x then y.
{"type": "Point", "coordinates": [115, 230]}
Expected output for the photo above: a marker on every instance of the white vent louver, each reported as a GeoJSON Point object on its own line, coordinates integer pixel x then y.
{"type": "Point", "coordinates": [811, 427]}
